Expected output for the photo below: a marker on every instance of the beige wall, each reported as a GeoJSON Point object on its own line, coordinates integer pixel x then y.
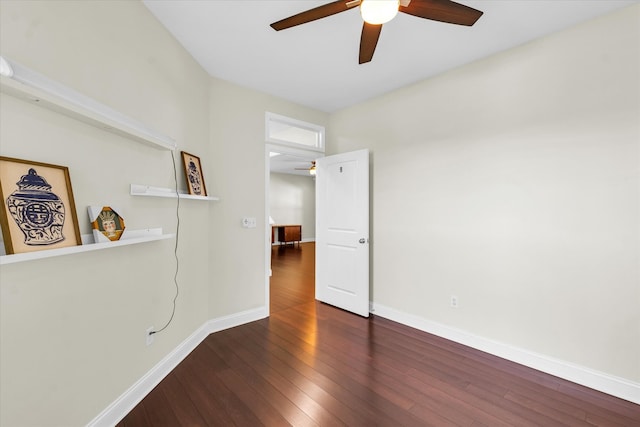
{"type": "Point", "coordinates": [238, 143]}
{"type": "Point", "coordinates": [292, 200]}
{"type": "Point", "coordinates": [513, 183]}
{"type": "Point", "coordinates": [72, 327]}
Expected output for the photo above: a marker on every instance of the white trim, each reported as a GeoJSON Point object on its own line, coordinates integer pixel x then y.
{"type": "Point", "coordinates": [129, 237]}
{"type": "Point", "coordinates": [615, 386]}
{"type": "Point", "coordinates": [237, 319]}
{"type": "Point", "coordinates": [267, 230]}
{"type": "Point", "coordinates": [147, 190]}
{"type": "Point", "coordinates": [37, 89]}
{"type": "Point", "coordinates": [118, 409]}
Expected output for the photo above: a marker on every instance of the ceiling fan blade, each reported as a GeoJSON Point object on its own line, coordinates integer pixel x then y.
{"type": "Point", "coordinates": [315, 13]}
{"type": "Point", "coordinates": [368, 41]}
{"type": "Point", "coordinates": [443, 11]}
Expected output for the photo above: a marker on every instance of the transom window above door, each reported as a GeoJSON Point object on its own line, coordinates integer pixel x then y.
{"type": "Point", "coordinates": [284, 130]}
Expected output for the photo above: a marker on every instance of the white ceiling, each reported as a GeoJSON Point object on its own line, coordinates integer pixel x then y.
{"type": "Point", "coordinates": [292, 164]}
{"type": "Point", "coordinates": [316, 64]}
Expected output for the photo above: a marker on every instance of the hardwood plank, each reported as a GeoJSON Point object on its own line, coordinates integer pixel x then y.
{"type": "Point", "coordinates": [577, 418]}
{"type": "Point", "coordinates": [602, 406]}
{"type": "Point", "coordinates": [514, 408]}
{"type": "Point", "coordinates": [159, 411]}
{"type": "Point", "coordinates": [284, 385]}
{"type": "Point", "coordinates": [181, 404]}
{"type": "Point", "coordinates": [137, 417]}
{"type": "Point", "coordinates": [260, 386]}
{"type": "Point", "coordinates": [211, 409]}
{"type": "Point", "coordinates": [260, 407]}
{"type": "Point", "coordinates": [368, 406]}
{"type": "Point", "coordinates": [359, 382]}
{"type": "Point", "coordinates": [221, 402]}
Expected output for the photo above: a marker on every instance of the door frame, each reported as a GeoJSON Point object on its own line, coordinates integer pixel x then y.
{"type": "Point", "coordinates": [267, 229]}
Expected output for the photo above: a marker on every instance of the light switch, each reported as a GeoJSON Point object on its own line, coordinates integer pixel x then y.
{"type": "Point", "coordinates": [249, 222]}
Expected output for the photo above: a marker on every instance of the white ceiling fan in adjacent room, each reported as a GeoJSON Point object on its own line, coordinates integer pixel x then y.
{"type": "Point", "coordinates": [292, 164]}
{"type": "Point", "coordinates": [311, 169]}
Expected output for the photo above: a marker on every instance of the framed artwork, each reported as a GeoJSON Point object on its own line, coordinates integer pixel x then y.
{"type": "Point", "coordinates": [193, 174]}
{"type": "Point", "coordinates": [38, 211]}
{"type": "Point", "coordinates": [107, 224]}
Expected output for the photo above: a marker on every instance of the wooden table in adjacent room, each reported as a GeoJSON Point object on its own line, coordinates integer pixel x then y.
{"type": "Point", "coordinates": [286, 233]}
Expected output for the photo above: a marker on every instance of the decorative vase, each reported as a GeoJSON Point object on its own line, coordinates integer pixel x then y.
{"type": "Point", "coordinates": [38, 212]}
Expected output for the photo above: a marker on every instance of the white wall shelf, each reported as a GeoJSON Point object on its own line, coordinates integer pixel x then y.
{"type": "Point", "coordinates": [129, 237]}
{"type": "Point", "coordinates": [146, 190]}
{"type": "Point", "coordinates": [63, 100]}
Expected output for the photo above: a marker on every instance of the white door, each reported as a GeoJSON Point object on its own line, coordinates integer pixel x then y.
{"type": "Point", "coordinates": [342, 231]}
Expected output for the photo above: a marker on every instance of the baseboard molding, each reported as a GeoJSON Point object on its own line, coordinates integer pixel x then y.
{"type": "Point", "coordinates": [237, 319]}
{"type": "Point", "coordinates": [615, 386]}
{"type": "Point", "coordinates": [115, 412]}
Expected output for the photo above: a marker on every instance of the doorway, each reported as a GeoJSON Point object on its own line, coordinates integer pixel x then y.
{"type": "Point", "coordinates": [290, 200]}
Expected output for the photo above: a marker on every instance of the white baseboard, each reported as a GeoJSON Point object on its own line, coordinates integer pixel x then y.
{"type": "Point", "coordinates": [237, 319]}
{"type": "Point", "coordinates": [615, 386]}
{"type": "Point", "coordinates": [134, 395]}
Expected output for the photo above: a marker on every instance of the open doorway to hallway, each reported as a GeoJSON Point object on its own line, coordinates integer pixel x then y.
{"type": "Point", "coordinates": [290, 196]}
{"type": "Point", "coordinates": [291, 148]}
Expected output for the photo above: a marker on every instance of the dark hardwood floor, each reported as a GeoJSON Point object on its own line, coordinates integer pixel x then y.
{"type": "Point", "coordinates": [293, 276]}
{"type": "Point", "coordinates": [310, 364]}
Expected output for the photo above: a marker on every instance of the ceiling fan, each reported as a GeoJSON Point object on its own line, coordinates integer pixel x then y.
{"type": "Point", "coordinates": [312, 169]}
{"type": "Point", "coordinates": [377, 12]}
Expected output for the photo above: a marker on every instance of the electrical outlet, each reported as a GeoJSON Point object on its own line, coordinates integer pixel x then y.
{"type": "Point", "coordinates": [454, 301]}
{"type": "Point", "coordinates": [148, 336]}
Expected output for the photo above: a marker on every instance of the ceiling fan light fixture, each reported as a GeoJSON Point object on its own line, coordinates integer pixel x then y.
{"type": "Point", "coordinates": [377, 12]}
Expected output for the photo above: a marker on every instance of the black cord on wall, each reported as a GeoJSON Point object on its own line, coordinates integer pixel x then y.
{"type": "Point", "coordinates": [175, 249]}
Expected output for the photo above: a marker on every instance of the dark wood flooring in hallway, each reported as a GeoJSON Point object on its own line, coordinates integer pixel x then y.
{"type": "Point", "coordinates": [310, 364]}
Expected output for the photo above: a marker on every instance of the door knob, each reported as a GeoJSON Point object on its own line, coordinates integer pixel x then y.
{"type": "Point", "coordinates": [362, 241]}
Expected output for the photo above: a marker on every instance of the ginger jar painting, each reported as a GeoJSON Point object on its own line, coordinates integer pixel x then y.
{"type": "Point", "coordinates": [38, 211]}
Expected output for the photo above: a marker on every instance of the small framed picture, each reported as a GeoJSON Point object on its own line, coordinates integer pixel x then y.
{"type": "Point", "coordinates": [193, 174]}
{"type": "Point", "coordinates": [38, 211]}
{"type": "Point", "coordinates": [107, 224]}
